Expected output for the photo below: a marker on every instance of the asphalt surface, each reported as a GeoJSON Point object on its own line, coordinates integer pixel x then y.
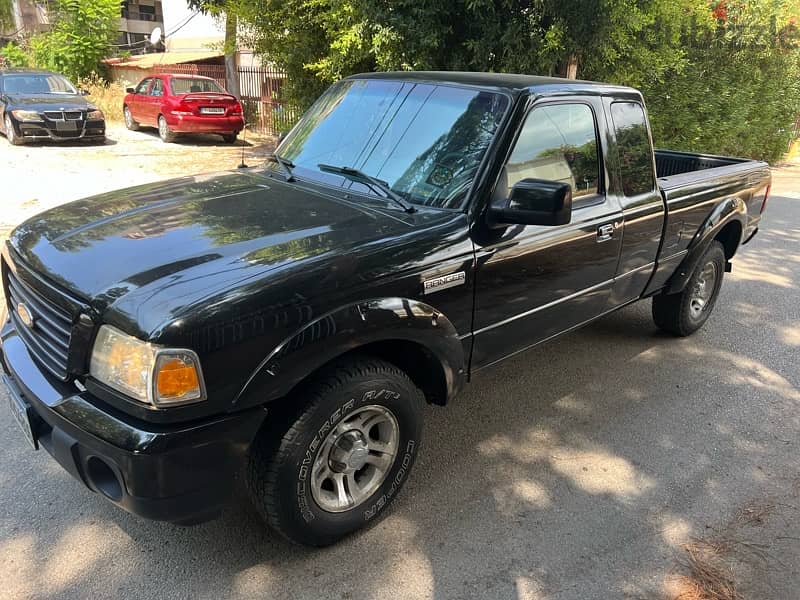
{"type": "Point", "coordinates": [576, 470]}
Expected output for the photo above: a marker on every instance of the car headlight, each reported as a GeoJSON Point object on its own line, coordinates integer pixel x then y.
{"type": "Point", "coordinates": [94, 115]}
{"type": "Point", "coordinates": [146, 372]}
{"type": "Point", "coordinates": [26, 115]}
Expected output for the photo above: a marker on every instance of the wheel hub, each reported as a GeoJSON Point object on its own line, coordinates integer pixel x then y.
{"type": "Point", "coordinates": [349, 452]}
{"type": "Point", "coordinates": [354, 458]}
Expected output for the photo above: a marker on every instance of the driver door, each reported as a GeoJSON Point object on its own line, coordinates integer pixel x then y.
{"type": "Point", "coordinates": [139, 94]}
{"type": "Point", "coordinates": [534, 281]}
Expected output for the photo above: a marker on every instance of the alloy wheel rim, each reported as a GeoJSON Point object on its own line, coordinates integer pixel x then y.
{"type": "Point", "coordinates": [128, 118]}
{"type": "Point", "coordinates": [703, 289]}
{"type": "Point", "coordinates": [162, 128]}
{"type": "Point", "coordinates": [10, 134]}
{"type": "Point", "coordinates": [355, 458]}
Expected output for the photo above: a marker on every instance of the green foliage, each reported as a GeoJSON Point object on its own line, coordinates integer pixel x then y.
{"type": "Point", "coordinates": [14, 56]}
{"type": "Point", "coordinates": [739, 93]}
{"type": "Point", "coordinates": [719, 76]}
{"type": "Point", "coordinates": [81, 35]}
{"type": "Point", "coordinates": [7, 24]}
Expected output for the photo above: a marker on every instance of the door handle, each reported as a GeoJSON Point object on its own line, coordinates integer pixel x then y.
{"type": "Point", "coordinates": [605, 233]}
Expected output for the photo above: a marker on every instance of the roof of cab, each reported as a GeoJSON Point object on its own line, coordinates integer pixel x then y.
{"type": "Point", "coordinates": [511, 82]}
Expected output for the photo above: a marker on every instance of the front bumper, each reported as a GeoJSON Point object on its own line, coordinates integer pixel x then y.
{"type": "Point", "coordinates": [182, 473]}
{"type": "Point", "coordinates": [58, 131]}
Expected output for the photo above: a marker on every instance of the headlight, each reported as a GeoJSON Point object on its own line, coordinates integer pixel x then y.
{"type": "Point", "coordinates": [26, 115]}
{"type": "Point", "coordinates": [146, 372]}
{"type": "Point", "coordinates": [94, 115]}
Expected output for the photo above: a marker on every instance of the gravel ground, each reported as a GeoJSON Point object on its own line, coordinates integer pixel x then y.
{"type": "Point", "coordinates": [580, 469]}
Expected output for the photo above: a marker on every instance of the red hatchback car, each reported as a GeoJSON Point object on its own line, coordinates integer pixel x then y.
{"type": "Point", "coordinates": [183, 104]}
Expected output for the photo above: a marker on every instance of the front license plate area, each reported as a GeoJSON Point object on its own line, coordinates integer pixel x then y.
{"type": "Point", "coordinates": [212, 110]}
{"type": "Point", "coordinates": [22, 415]}
{"type": "Point", "coordinates": [66, 126]}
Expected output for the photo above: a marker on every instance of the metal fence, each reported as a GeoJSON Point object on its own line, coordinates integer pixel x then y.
{"type": "Point", "coordinates": [260, 90]}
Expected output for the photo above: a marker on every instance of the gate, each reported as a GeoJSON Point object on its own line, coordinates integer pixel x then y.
{"type": "Point", "coordinates": [260, 89]}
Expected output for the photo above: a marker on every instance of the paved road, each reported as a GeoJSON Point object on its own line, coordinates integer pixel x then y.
{"type": "Point", "coordinates": [576, 470]}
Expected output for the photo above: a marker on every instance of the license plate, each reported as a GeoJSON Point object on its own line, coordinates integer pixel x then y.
{"type": "Point", "coordinates": [212, 110]}
{"type": "Point", "coordinates": [21, 412]}
{"type": "Point", "coordinates": [66, 126]}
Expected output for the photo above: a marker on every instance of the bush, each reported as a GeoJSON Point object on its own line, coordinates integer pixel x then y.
{"type": "Point", "coordinates": [106, 96]}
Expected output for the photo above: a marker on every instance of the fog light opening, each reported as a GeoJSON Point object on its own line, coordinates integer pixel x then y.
{"type": "Point", "coordinates": [103, 478]}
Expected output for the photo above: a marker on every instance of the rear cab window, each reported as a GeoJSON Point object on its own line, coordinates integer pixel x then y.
{"type": "Point", "coordinates": [634, 149]}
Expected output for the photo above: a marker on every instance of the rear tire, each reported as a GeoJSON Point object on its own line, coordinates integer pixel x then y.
{"type": "Point", "coordinates": [11, 133]}
{"type": "Point", "coordinates": [684, 313]}
{"type": "Point", "coordinates": [130, 122]}
{"type": "Point", "coordinates": [229, 138]}
{"type": "Point", "coordinates": [341, 458]}
{"type": "Point", "coordinates": [164, 132]}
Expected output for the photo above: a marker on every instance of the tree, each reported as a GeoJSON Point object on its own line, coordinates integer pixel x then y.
{"type": "Point", "coordinates": [227, 10]}
{"type": "Point", "coordinates": [80, 37]}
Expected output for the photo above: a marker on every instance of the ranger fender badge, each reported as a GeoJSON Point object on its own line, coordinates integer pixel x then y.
{"type": "Point", "coordinates": [444, 282]}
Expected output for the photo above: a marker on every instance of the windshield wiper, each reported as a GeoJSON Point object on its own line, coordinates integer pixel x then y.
{"type": "Point", "coordinates": [371, 181]}
{"type": "Point", "coordinates": [284, 164]}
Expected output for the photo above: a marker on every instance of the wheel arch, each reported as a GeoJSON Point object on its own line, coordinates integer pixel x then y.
{"type": "Point", "coordinates": [410, 334]}
{"type": "Point", "coordinates": [725, 224]}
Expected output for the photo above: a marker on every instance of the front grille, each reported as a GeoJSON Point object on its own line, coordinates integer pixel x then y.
{"type": "Point", "coordinates": [49, 337]}
{"type": "Point", "coordinates": [58, 115]}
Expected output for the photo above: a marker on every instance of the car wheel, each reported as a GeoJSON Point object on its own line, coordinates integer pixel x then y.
{"type": "Point", "coordinates": [163, 130]}
{"type": "Point", "coordinates": [130, 122]}
{"type": "Point", "coordinates": [684, 313]}
{"type": "Point", "coordinates": [11, 133]}
{"type": "Point", "coordinates": [338, 462]}
{"type": "Point", "coordinates": [229, 138]}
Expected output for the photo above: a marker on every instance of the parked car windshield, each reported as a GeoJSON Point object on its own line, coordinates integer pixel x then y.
{"type": "Point", "coordinates": [185, 85]}
{"type": "Point", "coordinates": [37, 83]}
{"type": "Point", "coordinates": [425, 141]}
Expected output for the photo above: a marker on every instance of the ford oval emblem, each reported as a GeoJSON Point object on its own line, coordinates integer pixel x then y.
{"type": "Point", "coordinates": [25, 315]}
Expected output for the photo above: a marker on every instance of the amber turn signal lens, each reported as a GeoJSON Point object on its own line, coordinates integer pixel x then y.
{"type": "Point", "coordinates": [176, 379]}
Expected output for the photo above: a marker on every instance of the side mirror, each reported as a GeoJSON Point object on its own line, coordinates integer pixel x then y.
{"type": "Point", "coordinates": [282, 136]}
{"type": "Point", "coordinates": [130, 91]}
{"type": "Point", "coordinates": [534, 202]}
{"type": "Point", "coordinates": [84, 92]}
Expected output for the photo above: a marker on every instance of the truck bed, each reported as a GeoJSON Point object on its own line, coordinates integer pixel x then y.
{"type": "Point", "coordinates": [685, 171]}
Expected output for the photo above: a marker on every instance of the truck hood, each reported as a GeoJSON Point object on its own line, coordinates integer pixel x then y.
{"type": "Point", "coordinates": [209, 230]}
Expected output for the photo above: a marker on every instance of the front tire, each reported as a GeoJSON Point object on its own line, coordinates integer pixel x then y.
{"type": "Point", "coordinates": [337, 463]}
{"type": "Point", "coordinates": [11, 133]}
{"type": "Point", "coordinates": [164, 132]}
{"type": "Point", "coordinates": [130, 122]}
{"type": "Point", "coordinates": [684, 313]}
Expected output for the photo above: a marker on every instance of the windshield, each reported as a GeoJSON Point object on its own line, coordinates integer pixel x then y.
{"type": "Point", "coordinates": [192, 86]}
{"type": "Point", "coordinates": [425, 141]}
{"type": "Point", "coordinates": [37, 83]}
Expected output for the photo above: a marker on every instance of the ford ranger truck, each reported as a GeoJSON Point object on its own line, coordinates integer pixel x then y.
{"type": "Point", "coordinates": [288, 322]}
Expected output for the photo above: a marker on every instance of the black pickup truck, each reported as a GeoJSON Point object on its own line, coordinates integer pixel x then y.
{"type": "Point", "coordinates": [288, 322]}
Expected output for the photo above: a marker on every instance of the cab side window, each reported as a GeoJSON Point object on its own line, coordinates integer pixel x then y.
{"type": "Point", "coordinates": [158, 88]}
{"type": "Point", "coordinates": [634, 148]}
{"type": "Point", "coordinates": [143, 85]}
{"type": "Point", "coordinates": [558, 143]}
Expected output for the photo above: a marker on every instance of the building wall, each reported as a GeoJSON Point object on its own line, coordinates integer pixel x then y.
{"type": "Point", "coordinates": [187, 29]}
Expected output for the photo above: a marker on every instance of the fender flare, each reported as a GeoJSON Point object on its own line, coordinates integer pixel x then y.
{"type": "Point", "coordinates": [725, 212]}
{"type": "Point", "coordinates": [348, 328]}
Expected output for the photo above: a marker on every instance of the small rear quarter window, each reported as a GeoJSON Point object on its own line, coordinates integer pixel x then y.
{"type": "Point", "coordinates": [634, 148]}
